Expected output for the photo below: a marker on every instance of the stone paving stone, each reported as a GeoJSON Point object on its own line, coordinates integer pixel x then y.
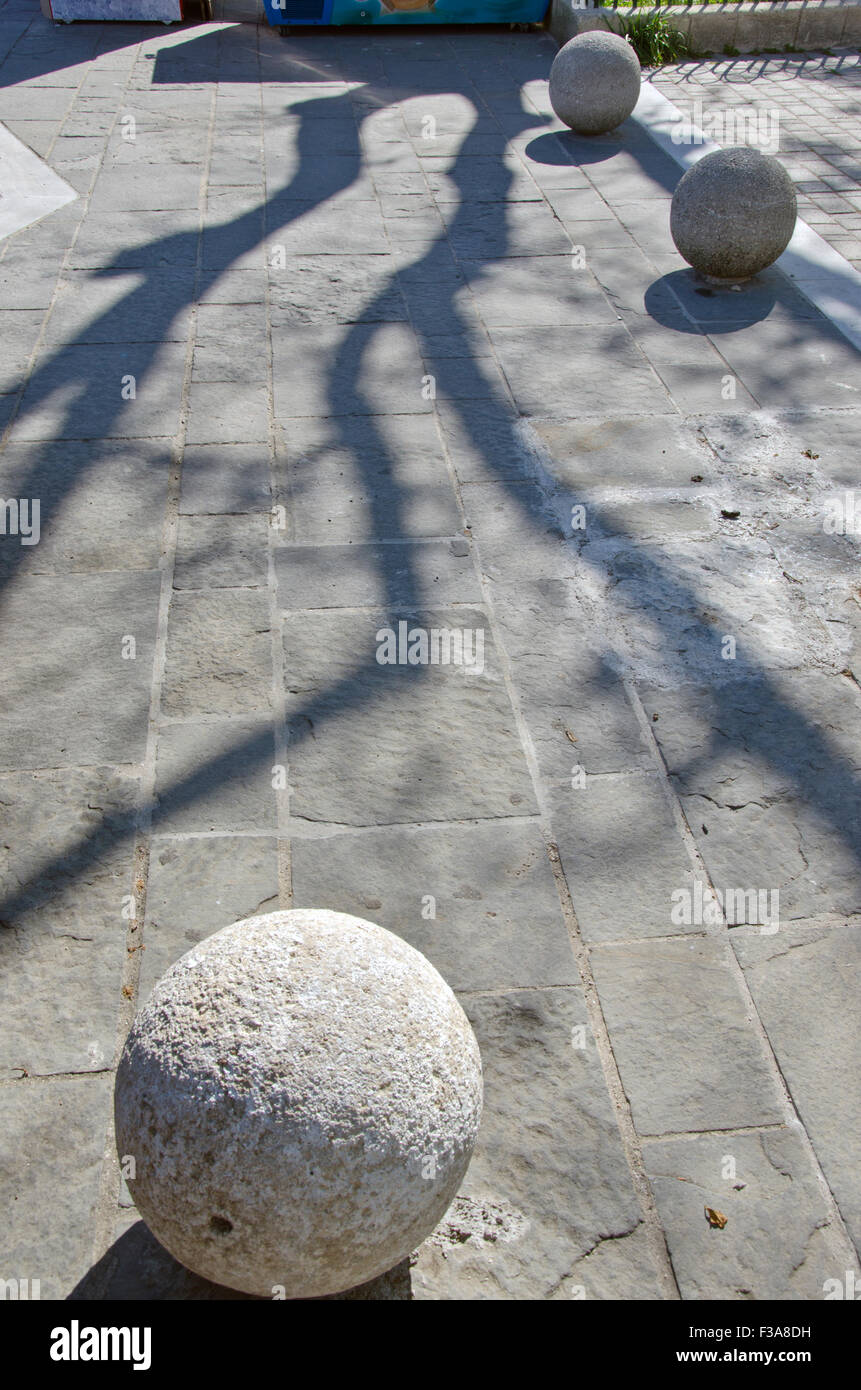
{"type": "Point", "coordinates": [687, 1055]}
{"type": "Point", "coordinates": [66, 871]}
{"type": "Point", "coordinates": [742, 593]}
{"type": "Point", "coordinates": [487, 441]}
{"type": "Point", "coordinates": [196, 887]}
{"type": "Point", "coordinates": [78, 393]}
{"type": "Point", "coordinates": [767, 775]}
{"type": "Point", "coordinates": [628, 175]}
{"type": "Point", "coordinates": [313, 231]}
{"type": "Point", "coordinates": [795, 364]}
{"type": "Point", "coordinates": [621, 451]}
{"type": "Point", "coordinates": [703, 388]}
{"type": "Point", "coordinates": [804, 982]}
{"type": "Point", "coordinates": [298, 189]}
{"type": "Point", "coordinates": [362, 576]}
{"type": "Point", "coordinates": [185, 146]}
{"type": "Point", "coordinates": [68, 632]}
{"type": "Point", "coordinates": [34, 103]}
{"type": "Point", "coordinates": [522, 536]}
{"type": "Point", "coordinates": [224, 478]}
{"type": "Point", "coordinates": [20, 330]}
{"type": "Point", "coordinates": [54, 1120]}
{"type": "Point", "coordinates": [215, 777]}
{"type": "Point", "coordinates": [232, 287]}
{"type": "Point", "coordinates": [546, 380]}
{"type": "Point", "coordinates": [380, 478]}
{"type": "Point", "coordinates": [148, 187]}
{"type": "Point", "coordinates": [354, 289]}
{"type": "Point", "coordinates": [218, 653]}
{"type": "Point", "coordinates": [545, 290]}
{"type": "Point", "coordinates": [548, 1183]}
{"type": "Point", "coordinates": [490, 181]}
{"type": "Point", "coordinates": [101, 506]}
{"type": "Point", "coordinates": [412, 732]}
{"type": "Point", "coordinates": [835, 437]}
{"type": "Point", "coordinates": [619, 844]}
{"type": "Point", "coordinates": [218, 552]}
{"type": "Point", "coordinates": [235, 416]}
{"type": "Point", "coordinates": [33, 291]}
{"type": "Point", "coordinates": [777, 1242]}
{"type": "Point", "coordinates": [477, 230]}
{"type": "Point", "coordinates": [376, 370]}
{"type": "Point", "coordinates": [497, 922]}
{"type": "Point", "coordinates": [132, 240]}
{"type": "Point", "coordinates": [581, 206]}
{"type": "Point", "coordinates": [121, 307]}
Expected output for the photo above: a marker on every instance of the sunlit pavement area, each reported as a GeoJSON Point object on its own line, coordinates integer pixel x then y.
{"type": "Point", "coordinates": [340, 333]}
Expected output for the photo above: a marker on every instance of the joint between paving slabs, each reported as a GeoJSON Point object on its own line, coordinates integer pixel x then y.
{"type": "Point", "coordinates": [109, 1184]}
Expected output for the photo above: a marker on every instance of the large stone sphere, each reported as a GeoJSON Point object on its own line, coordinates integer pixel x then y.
{"type": "Point", "coordinates": [733, 213]}
{"type": "Point", "coordinates": [301, 1095]}
{"type": "Point", "coordinates": [595, 82]}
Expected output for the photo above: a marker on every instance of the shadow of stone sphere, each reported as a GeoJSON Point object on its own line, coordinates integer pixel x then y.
{"type": "Point", "coordinates": [137, 1269]}
{"type": "Point", "coordinates": [689, 303]}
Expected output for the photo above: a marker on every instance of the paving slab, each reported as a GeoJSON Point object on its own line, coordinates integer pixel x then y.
{"type": "Point", "coordinates": [64, 942]}
{"type": "Point", "coordinates": [812, 972]}
{"type": "Point", "coordinates": [52, 1119]}
{"type": "Point", "coordinates": [483, 930]}
{"type": "Point", "coordinates": [218, 659]}
{"type": "Point", "coordinates": [687, 1055]}
{"type": "Point", "coordinates": [197, 886]}
{"type": "Point", "coordinates": [511, 1233]}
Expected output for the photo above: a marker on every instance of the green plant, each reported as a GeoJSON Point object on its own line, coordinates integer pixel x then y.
{"type": "Point", "coordinates": [654, 40]}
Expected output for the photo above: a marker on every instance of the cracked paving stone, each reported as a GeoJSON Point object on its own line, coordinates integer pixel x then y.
{"type": "Point", "coordinates": [767, 774]}
{"type": "Point", "coordinates": [805, 981]}
{"type": "Point", "coordinates": [548, 1169]}
{"type": "Point", "coordinates": [777, 1242]}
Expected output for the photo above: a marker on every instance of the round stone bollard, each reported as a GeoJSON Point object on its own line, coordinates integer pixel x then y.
{"type": "Point", "coordinates": [300, 1096]}
{"type": "Point", "coordinates": [595, 82]}
{"type": "Point", "coordinates": [733, 213]}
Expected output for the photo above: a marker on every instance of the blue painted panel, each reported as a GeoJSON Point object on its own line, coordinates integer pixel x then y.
{"type": "Point", "coordinates": [405, 11]}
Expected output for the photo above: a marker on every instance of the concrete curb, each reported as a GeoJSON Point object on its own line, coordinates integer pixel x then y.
{"type": "Point", "coordinates": [800, 24]}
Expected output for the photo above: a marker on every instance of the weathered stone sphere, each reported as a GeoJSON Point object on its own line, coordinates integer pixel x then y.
{"type": "Point", "coordinates": [595, 82]}
{"type": "Point", "coordinates": [733, 213]}
{"type": "Point", "coordinates": [301, 1095]}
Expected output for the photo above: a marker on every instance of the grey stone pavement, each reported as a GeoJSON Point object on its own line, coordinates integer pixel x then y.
{"type": "Point", "coordinates": [810, 103]}
{"type": "Point", "coordinates": [342, 333]}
